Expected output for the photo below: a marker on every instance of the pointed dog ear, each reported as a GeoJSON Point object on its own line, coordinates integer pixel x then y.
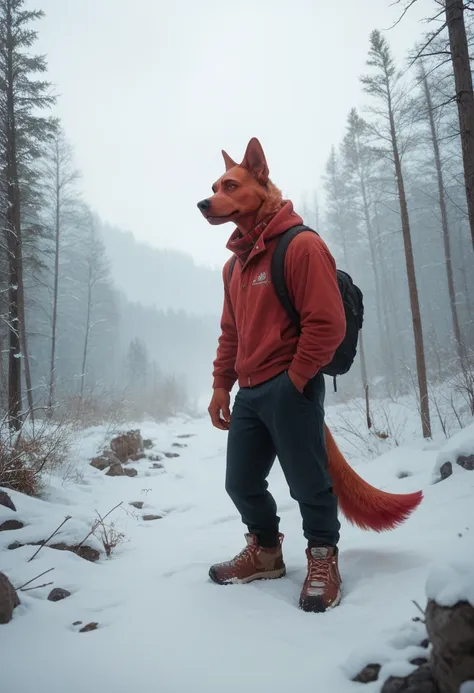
{"type": "Point", "coordinates": [254, 161]}
{"type": "Point", "coordinates": [229, 162]}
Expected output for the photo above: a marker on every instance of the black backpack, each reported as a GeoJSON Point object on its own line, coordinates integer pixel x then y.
{"type": "Point", "coordinates": [352, 299]}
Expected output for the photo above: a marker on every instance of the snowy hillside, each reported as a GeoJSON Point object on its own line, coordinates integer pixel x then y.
{"type": "Point", "coordinates": [163, 626]}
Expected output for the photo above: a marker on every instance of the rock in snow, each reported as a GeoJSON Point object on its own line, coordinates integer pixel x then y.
{"type": "Point", "coordinates": [58, 594]}
{"type": "Point", "coordinates": [9, 599]}
{"type": "Point", "coordinates": [6, 501]}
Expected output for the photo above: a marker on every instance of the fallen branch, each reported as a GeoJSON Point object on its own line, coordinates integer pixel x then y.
{"type": "Point", "coordinates": [68, 517]}
{"type": "Point", "coordinates": [46, 584]}
{"type": "Point", "coordinates": [94, 527]}
{"type": "Point", "coordinates": [33, 579]}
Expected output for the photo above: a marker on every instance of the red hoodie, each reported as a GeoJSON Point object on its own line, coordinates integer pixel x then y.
{"type": "Point", "coordinates": [258, 340]}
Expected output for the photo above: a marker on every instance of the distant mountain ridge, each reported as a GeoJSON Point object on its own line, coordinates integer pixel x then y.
{"type": "Point", "coordinates": [166, 279]}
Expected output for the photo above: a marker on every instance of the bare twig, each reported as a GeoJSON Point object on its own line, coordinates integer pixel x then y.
{"type": "Point", "coordinates": [68, 517]}
{"type": "Point", "coordinates": [405, 10]}
{"type": "Point", "coordinates": [427, 43]}
{"type": "Point", "coordinates": [96, 524]}
{"type": "Point", "coordinates": [418, 607]}
{"type": "Point", "coordinates": [109, 536]}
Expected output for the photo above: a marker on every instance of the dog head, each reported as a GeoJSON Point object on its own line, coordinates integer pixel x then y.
{"type": "Point", "coordinates": [244, 194]}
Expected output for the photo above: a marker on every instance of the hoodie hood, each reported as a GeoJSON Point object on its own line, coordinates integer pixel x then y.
{"type": "Point", "coordinates": [267, 229]}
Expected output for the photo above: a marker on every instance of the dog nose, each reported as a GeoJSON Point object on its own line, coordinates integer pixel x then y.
{"type": "Point", "coordinates": [204, 205]}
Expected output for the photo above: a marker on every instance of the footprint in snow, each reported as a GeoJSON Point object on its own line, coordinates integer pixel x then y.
{"type": "Point", "coordinates": [183, 568]}
{"type": "Point", "coordinates": [220, 521]}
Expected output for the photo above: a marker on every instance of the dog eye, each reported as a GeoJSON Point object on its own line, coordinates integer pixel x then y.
{"type": "Point", "coordinates": [231, 186]}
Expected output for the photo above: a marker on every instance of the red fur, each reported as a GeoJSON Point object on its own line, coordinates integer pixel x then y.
{"type": "Point", "coordinates": [362, 504]}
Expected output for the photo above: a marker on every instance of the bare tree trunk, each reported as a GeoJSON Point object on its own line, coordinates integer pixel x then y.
{"type": "Point", "coordinates": [463, 272]}
{"type": "Point", "coordinates": [383, 310]}
{"type": "Point", "coordinates": [384, 336]}
{"type": "Point", "coordinates": [363, 362]}
{"type": "Point", "coordinates": [412, 285]}
{"type": "Point", "coordinates": [363, 365]}
{"type": "Point", "coordinates": [468, 308]}
{"type": "Point", "coordinates": [52, 371]}
{"type": "Point", "coordinates": [444, 218]}
{"type": "Point", "coordinates": [464, 96]}
{"type": "Point", "coordinates": [13, 244]}
{"type": "Point", "coordinates": [385, 347]}
{"type": "Point", "coordinates": [368, 417]}
{"type": "Point", "coordinates": [391, 310]}
{"type": "Point", "coordinates": [86, 338]}
{"type": "Point", "coordinates": [24, 340]}
{"type": "Point", "coordinates": [3, 379]}
{"type": "Point", "coordinates": [14, 356]}
{"type": "Point", "coordinates": [363, 373]}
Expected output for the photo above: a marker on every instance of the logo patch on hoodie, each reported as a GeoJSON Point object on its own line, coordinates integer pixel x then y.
{"type": "Point", "coordinates": [261, 279]}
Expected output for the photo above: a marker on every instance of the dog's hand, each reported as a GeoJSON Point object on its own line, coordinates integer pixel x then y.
{"type": "Point", "coordinates": [297, 381]}
{"type": "Point", "coordinates": [219, 409]}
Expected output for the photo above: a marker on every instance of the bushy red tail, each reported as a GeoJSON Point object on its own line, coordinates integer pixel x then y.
{"type": "Point", "coordinates": [363, 504]}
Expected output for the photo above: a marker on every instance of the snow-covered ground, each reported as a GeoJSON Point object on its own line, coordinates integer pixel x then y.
{"type": "Point", "coordinates": [163, 626]}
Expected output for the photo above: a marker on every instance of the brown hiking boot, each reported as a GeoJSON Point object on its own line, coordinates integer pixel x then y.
{"type": "Point", "coordinates": [322, 587]}
{"type": "Point", "coordinates": [255, 562]}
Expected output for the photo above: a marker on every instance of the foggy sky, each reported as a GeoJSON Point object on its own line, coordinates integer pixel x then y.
{"type": "Point", "coordinates": [152, 91]}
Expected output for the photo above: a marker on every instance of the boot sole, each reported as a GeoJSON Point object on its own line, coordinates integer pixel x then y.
{"type": "Point", "coordinates": [317, 606]}
{"type": "Point", "coordinates": [267, 575]}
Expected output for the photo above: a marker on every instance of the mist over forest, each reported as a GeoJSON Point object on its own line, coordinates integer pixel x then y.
{"type": "Point", "coordinates": [91, 313]}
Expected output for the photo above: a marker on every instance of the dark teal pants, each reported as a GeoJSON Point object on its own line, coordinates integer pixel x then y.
{"type": "Point", "coordinates": [275, 419]}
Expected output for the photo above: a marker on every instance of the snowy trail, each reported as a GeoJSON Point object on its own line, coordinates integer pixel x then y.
{"type": "Point", "coordinates": [164, 626]}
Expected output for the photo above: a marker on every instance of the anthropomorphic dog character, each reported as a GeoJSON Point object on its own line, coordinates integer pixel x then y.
{"type": "Point", "coordinates": [279, 408]}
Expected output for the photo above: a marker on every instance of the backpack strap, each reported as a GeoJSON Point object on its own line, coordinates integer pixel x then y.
{"type": "Point", "coordinates": [278, 270]}
{"type": "Point", "coordinates": [231, 269]}
{"type": "Point", "coordinates": [228, 278]}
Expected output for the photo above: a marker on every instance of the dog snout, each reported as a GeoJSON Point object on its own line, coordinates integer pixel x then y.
{"type": "Point", "coordinates": [204, 205]}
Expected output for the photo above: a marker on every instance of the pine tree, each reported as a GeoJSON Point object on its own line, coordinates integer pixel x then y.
{"type": "Point", "coordinates": [22, 132]}
{"type": "Point", "coordinates": [394, 115]}
{"type": "Point", "coordinates": [59, 181]}
{"type": "Point", "coordinates": [99, 297]}
{"type": "Point", "coordinates": [434, 138]}
{"type": "Point", "coordinates": [342, 221]}
{"type": "Point", "coordinates": [360, 160]}
{"type": "Point", "coordinates": [137, 367]}
{"type": "Point", "coordinates": [340, 218]}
